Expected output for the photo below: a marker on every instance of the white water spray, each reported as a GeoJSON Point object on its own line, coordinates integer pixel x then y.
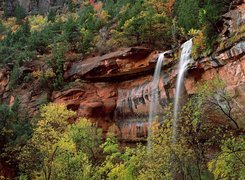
{"type": "Point", "coordinates": [155, 100]}
{"type": "Point", "coordinates": [183, 64]}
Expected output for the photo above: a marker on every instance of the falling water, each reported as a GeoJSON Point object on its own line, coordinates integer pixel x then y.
{"type": "Point", "coordinates": [154, 93]}
{"type": "Point", "coordinates": [184, 61]}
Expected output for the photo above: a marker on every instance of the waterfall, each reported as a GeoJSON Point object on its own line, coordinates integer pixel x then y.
{"type": "Point", "coordinates": [183, 64]}
{"type": "Point", "coordinates": [155, 93]}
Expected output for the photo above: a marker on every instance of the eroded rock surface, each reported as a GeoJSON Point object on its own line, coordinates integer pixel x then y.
{"type": "Point", "coordinates": [116, 65]}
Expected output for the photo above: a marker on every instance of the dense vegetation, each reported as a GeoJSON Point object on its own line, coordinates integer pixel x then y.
{"type": "Point", "coordinates": [48, 147]}
{"type": "Point", "coordinates": [51, 148]}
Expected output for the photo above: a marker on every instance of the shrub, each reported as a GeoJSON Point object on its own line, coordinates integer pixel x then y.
{"type": "Point", "coordinates": [71, 32]}
{"type": "Point", "coordinates": [198, 47]}
{"type": "Point", "coordinates": [51, 15]}
{"type": "Point", "coordinates": [14, 76]}
{"type": "Point", "coordinates": [40, 41]}
{"type": "Point", "coordinates": [38, 22]}
{"type": "Point", "coordinates": [58, 51]}
{"type": "Point", "coordinates": [86, 41]}
{"type": "Point", "coordinates": [19, 13]}
{"type": "Point", "coordinates": [2, 30]}
{"type": "Point", "coordinates": [88, 19]}
{"type": "Point", "coordinates": [14, 47]}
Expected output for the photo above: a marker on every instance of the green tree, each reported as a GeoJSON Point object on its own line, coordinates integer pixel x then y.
{"type": "Point", "coordinates": [59, 150]}
{"type": "Point", "coordinates": [111, 150]}
{"type": "Point", "coordinates": [229, 163]}
{"type": "Point", "coordinates": [14, 47]}
{"type": "Point", "coordinates": [59, 48]}
{"type": "Point", "coordinates": [186, 19]}
{"type": "Point", "coordinates": [19, 13]}
{"type": "Point", "coordinates": [76, 150]}
{"type": "Point", "coordinates": [51, 15]}
{"type": "Point", "coordinates": [43, 146]}
{"type": "Point", "coordinates": [215, 97]}
{"type": "Point", "coordinates": [87, 138]}
{"type": "Point", "coordinates": [15, 130]}
{"type": "Point", "coordinates": [144, 22]}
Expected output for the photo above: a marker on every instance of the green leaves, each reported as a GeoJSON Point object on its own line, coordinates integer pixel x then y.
{"type": "Point", "coordinates": [85, 137]}
{"type": "Point", "coordinates": [15, 130]}
{"type": "Point", "coordinates": [144, 22]}
{"type": "Point", "coordinates": [229, 163]}
{"type": "Point", "coordinates": [19, 12]}
{"type": "Point", "coordinates": [186, 19]}
{"type": "Point", "coordinates": [60, 150]}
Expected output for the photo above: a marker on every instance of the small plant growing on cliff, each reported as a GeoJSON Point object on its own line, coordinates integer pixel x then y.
{"type": "Point", "coordinates": [199, 46]}
{"type": "Point", "coordinates": [47, 74]}
{"type": "Point", "coordinates": [58, 51]}
{"type": "Point", "coordinates": [14, 76]}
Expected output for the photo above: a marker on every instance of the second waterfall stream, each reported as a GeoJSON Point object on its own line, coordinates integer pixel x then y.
{"type": "Point", "coordinates": [155, 93]}
{"type": "Point", "coordinates": [183, 64]}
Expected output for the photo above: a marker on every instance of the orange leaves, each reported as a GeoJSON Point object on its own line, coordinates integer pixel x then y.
{"type": "Point", "coordinates": [169, 7]}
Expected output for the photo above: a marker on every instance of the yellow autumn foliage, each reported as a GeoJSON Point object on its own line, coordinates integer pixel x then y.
{"type": "Point", "coordinates": [38, 22]}
{"type": "Point", "coordinates": [49, 73]}
{"type": "Point", "coordinates": [199, 45]}
{"type": "Point", "coordinates": [11, 23]}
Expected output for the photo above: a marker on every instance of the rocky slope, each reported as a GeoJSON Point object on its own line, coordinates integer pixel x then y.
{"type": "Point", "coordinates": [33, 6]}
{"type": "Point", "coordinates": [114, 89]}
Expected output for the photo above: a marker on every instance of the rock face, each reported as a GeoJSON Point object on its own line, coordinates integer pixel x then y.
{"type": "Point", "coordinates": [120, 65]}
{"type": "Point", "coordinates": [35, 6]}
{"type": "Point", "coordinates": [95, 101]}
{"type": "Point", "coordinates": [32, 6]}
{"type": "Point", "coordinates": [106, 78]}
{"type": "Point", "coordinates": [115, 89]}
{"type": "Point", "coordinates": [234, 19]}
{"type": "Point", "coordinates": [41, 6]}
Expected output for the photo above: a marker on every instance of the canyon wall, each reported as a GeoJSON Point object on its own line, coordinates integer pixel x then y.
{"type": "Point", "coordinates": [115, 89]}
